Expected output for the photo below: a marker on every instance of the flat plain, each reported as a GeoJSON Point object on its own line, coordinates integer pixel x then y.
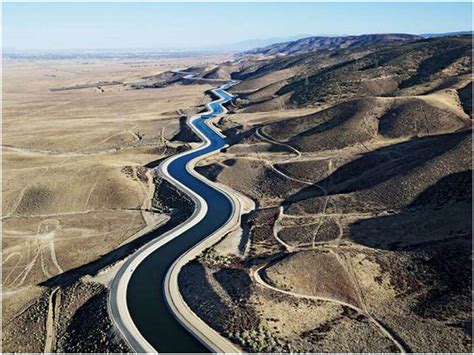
{"type": "Point", "coordinates": [76, 185]}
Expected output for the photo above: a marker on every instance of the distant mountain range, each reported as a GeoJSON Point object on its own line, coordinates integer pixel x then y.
{"type": "Point", "coordinates": [313, 43]}
{"type": "Point", "coordinates": [294, 44]}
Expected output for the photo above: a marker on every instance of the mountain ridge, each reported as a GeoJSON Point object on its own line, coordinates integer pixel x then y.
{"type": "Point", "coordinates": [310, 44]}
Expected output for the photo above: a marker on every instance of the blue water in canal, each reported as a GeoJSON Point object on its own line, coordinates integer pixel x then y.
{"type": "Point", "coordinates": [145, 298]}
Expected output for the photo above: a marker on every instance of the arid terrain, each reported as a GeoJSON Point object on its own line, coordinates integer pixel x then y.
{"type": "Point", "coordinates": [78, 193]}
{"type": "Point", "coordinates": [359, 165]}
{"type": "Point", "coordinates": [353, 158]}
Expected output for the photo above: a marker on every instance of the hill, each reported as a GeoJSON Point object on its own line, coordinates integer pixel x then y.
{"type": "Point", "coordinates": [362, 120]}
{"type": "Point", "coordinates": [327, 77]}
{"type": "Point", "coordinates": [359, 164]}
{"type": "Point", "coordinates": [311, 44]}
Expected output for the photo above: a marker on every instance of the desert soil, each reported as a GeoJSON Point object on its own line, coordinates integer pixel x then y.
{"type": "Point", "coordinates": [360, 239]}
{"type": "Point", "coordinates": [79, 193]}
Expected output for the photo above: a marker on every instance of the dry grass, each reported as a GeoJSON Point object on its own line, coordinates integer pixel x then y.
{"type": "Point", "coordinates": [73, 182]}
{"type": "Point", "coordinates": [314, 273]}
{"type": "Point", "coordinates": [384, 183]}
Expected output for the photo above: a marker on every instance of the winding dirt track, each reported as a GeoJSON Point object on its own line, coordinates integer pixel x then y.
{"type": "Point", "coordinates": [259, 280]}
{"type": "Point", "coordinates": [256, 274]}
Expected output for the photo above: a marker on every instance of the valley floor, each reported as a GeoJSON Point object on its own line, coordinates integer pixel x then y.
{"type": "Point", "coordinates": [79, 193]}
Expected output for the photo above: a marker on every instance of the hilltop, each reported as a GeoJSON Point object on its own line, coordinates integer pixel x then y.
{"type": "Point", "coordinates": [310, 44]}
{"type": "Point", "coordinates": [326, 77]}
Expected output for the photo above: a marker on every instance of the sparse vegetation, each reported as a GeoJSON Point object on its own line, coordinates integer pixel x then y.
{"type": "Point", "coordinates": [356, 152]}
{"type": "Point", "coordinates": [359, 163]}
{"type": "Point", "coordinates": [75, 191]}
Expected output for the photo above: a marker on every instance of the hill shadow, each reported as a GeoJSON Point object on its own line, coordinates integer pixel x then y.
{"type": "Point", "coordinates": [382, 164]}
{"type": "Point", "coordinates": [443, 209]}
{"type": "Point", "coordinates": [435, 233]}
{"type": "Point", "coordinates": [434, 64]}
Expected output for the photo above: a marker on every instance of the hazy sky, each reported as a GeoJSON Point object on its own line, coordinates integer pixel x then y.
{"type": "Point", "coordinates": [197, 25]}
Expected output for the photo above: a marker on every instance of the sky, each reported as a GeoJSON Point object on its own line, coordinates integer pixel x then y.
{"type": "Point", "coordinates": [60, 26]}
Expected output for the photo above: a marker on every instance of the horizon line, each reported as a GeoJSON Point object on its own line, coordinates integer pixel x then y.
{"type": "Point", "coordinates": [217, 48]}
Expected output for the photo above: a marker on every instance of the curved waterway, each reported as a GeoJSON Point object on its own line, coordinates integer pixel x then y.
{"type": "Point", "coordinates": [145, 298]}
